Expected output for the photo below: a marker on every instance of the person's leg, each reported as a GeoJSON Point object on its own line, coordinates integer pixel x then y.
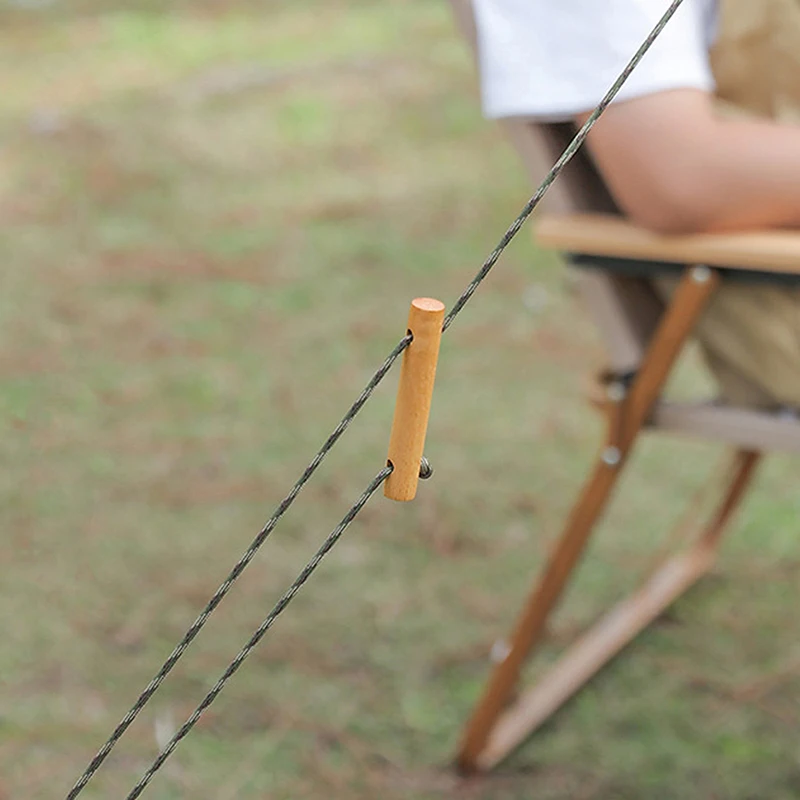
{"type": "Point", "coordinates": [750, 338]}
{"type": "Point", "coordinates": [734, 389]}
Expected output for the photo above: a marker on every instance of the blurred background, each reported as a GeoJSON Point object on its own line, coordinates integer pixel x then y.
{"type": "Point", "coordinates": [214, 216]}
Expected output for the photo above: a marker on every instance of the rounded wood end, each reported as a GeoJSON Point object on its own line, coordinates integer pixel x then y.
{"type": "Point", "coordinates": [428, 304]}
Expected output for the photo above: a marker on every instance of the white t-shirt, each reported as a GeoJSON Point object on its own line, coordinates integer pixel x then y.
{"type": "Point", "coordinates": [553, 59]}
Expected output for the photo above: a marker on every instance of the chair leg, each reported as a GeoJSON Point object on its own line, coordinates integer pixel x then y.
{"type": "Point", "coordinates": [532, 622]}
{"type": "Point", "coordinates": [744, 465]}
{"type": "Point", "coordinates": [616, 629]}
{"type": "Point", "coordinates": [626, 417]}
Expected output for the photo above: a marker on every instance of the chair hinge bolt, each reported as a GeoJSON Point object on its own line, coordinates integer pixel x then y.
{"type": "Point", "coordinates": [500, 651]}
{"type": "Point", "coordinates": [616, 392]}
{"type": "Point", "coordinates": [611, 456]}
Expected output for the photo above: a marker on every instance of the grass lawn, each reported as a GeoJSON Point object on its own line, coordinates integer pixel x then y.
{"type": "Point", "coordinates": [214, 217]}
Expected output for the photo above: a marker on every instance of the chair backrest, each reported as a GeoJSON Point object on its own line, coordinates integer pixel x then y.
{"type": "Point", "coordinates": [625, 309]}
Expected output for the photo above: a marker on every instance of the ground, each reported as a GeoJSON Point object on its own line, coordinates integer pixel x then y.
{"type": "Point", "coordinates": [215, 215]}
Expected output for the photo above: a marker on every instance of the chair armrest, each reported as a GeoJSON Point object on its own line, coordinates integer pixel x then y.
{"type": "Point", "coordinates": [614, 237]}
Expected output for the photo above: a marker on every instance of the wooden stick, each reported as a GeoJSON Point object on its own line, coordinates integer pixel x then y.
{"type": "Point", "coordinates": [690, 298]}
{"type": "Point", "coordinates": [414, 394]}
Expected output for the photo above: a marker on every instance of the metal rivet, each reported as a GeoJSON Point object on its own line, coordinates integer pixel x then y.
{"type": "Point", "coordinates": [500, 651]}
{"type": "Point", "coordinates": [611, 456]}
{"type": "Point", "coordinates": [425, 469]}
{"type": "Point", "coordinates": [615, 392]}
{"type": "Point", "coordinates": [701, 273]}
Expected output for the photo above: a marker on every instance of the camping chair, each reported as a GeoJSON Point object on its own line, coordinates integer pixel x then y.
{"type": "Point", "coordinates": [643, 337]}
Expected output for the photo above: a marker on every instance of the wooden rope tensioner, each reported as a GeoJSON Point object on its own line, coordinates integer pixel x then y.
{"type": "Point", "coordinates": [414, 395]}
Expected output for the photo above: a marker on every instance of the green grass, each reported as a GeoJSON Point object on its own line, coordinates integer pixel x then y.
{"type": "Point", "coordinates": [215, 215]}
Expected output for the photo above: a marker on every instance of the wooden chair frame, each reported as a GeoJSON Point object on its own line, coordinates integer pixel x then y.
{"type": "Point", "coordinates": [644, 343]}
{"type": "Point", "coordinates": [497, 728]}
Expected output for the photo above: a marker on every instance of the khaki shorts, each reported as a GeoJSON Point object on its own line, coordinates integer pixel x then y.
{"type": "Point", "coordinates": [750, 337]}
